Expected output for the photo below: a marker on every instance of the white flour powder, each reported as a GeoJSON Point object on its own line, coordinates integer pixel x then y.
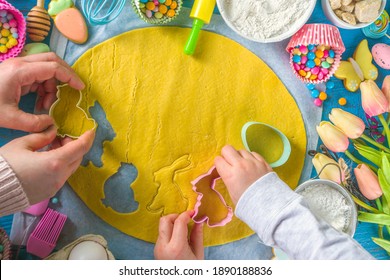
{"type": "Point", "coordinates": [263, 19]}
{"type": "Point", "coordinates": [329, 204]}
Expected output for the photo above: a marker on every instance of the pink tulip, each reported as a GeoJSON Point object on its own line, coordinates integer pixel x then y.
{"type": "Point", "coordinates": [386, 89]}
{"type": "Point", "coordinates": [368, 182]}
{"type": "Point", "coordinates": [328, 168]}
{"type": "Point", "coordinates": [351, 125]}
{"type": "Point", "coordinates": [332, 137]}
{"type": "Point", "coordinates": [374, 102]}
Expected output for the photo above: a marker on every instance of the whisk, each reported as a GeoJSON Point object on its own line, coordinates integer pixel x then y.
{"type": "Point", "coordinates": [99, 12]}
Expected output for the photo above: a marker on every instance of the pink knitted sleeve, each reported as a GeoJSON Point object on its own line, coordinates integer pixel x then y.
{"type": "Point", "coordinates": [12, 196]}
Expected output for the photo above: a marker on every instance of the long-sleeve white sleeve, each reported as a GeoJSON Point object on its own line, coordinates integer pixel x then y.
{"type": "Point", "coordinates": [282, 219]}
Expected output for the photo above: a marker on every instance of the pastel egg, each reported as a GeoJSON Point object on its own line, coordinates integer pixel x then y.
{"type": "Point", "coordinates": [381, 55]}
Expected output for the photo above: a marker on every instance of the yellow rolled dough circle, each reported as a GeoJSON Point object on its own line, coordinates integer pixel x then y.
{"type": "Point", "coordinates": [172, 114]}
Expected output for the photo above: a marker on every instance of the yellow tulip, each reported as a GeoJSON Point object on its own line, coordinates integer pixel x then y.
{"type": "Point", "coordinates": [328, 168]}
{"type": "Point", "coordinates": [374, 102]}
{"type": "Point", "coordinates": [351, 125]}
{"type": "Point", "coordinates": [368, 182]}
{"type": "Point", "coordinates": [332, 137]}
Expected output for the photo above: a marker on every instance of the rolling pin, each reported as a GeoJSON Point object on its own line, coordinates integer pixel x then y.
{"type": "Point", "coordinates": [201, 12]}
{"type": "Point", "coordinates": [38, 22]}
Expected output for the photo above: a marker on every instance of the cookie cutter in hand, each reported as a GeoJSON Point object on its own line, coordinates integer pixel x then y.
{"type": "Point", "coordinates": [63, 117]}
{"type": "Point", "coordinates": [204, 186]}
{"type": "Point", "coordinates": [286, 143]}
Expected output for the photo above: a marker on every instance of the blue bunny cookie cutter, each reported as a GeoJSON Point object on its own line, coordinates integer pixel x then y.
{"type": "Point", "coordinates": [267, 141]}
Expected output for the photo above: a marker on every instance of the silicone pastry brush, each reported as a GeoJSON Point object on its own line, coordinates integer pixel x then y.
{"type": "Point", "coordinates": [201, 12]}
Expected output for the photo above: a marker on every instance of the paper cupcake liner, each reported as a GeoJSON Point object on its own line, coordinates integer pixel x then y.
{"type": "Point", "coordinates": [15, 51]}
{"type": "Point", "coordinates": [165, 19]}
{"type": "Point", "coordinates": [318, 34]}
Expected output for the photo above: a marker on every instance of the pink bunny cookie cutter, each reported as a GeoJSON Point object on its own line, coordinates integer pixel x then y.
{"type": "Point", "coordinates": [211, 206]}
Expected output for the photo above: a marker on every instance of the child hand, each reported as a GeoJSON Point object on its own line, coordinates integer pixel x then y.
{"type": "Point", "coordinates": [42, 174]}
{"type": "Point", "coordinates": [36, 73]}
{"type": "Point", "coordinates": [239, 169]}
{"type": "Point", "coordinates": [173, 243]}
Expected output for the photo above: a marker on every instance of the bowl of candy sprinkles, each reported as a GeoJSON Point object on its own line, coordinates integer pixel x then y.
{"type": "Point", "coordinates": [157, 11]}
{"type": "Point", "coordinates": [12, 31]}
{"type": "Point", "coordinates": [315, 52]}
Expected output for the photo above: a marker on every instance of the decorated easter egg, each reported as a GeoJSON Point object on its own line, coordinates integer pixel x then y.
{"type": "Point", "coordinates": [381, 55]}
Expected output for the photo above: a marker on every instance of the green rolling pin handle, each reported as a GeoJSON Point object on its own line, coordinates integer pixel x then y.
{"type": "Point", "coordinates": [193, 39]}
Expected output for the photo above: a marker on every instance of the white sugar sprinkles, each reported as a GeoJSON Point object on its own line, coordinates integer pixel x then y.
{"type": "Point", "coordinates": [329, 204]}
{"type": "Point", "coordinates": [263, 19]}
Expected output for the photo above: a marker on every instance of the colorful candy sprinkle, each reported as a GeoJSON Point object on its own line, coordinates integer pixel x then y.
{"type": "Point", "coordinates": [315, 93]}
{"type": "Point", "coordinates": [8, 31]}
{"type": "Point", "coordinates": [158, 9]}
{"type": "Point", "coordinates": [313, 62]}
{"type": "Point", "coordinates": [323, 96]}
{"type": "Point", "coordinates": [342, 101]}
{"type": "Point", "coordinates": [318, 102]}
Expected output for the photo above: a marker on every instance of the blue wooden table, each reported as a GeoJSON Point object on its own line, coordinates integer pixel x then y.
{"type": "Point", "coordinates": [351, 39]}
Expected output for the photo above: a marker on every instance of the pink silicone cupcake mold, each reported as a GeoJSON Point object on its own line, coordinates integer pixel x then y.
{"type": "Point", "coordinates": [4, 5]}
{"type": "Point", "coordinates": [317, 34]}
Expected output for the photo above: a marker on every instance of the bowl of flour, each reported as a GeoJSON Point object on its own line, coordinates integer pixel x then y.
{"type": "Point", "coordinates": [266, 21]}
{"type": "Point", "coordinates": [330, 202]}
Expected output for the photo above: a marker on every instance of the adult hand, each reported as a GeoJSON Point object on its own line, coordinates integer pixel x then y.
{"type": "Point", "coordinates": [173, 243]}
{"type": "Point", "coordinates": [36, 73]}
{"type": "Point", "coordinates": [42, 174]}
{"type": "Point", "coordinates": [240, 169]}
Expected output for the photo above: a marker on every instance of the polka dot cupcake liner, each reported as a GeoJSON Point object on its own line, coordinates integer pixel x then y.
{"type": "Point", "coordinates": [138, 7]}
{"type": "Point", "coordinates": [18, 16]}
{"type": "Point", "coordinates": [324, 35]}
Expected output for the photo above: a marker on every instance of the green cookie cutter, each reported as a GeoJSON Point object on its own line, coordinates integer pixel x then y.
{"type": "Point", "coordinates": [286, 143]}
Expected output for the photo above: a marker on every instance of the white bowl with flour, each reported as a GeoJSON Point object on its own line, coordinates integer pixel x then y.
{"type": "Point", "coordinates": [331, 202]}
{"type": "Point", "coordinates": [266, 21]}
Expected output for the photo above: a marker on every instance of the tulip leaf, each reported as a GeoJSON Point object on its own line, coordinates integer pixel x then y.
{"type": "Point", "coordinates": [384, 186]}
{"type": "Point", "coordinates": [385, 244]}
{"type": "Point", "coordinates": [381, 219]}
{"type": "Point", "coordinates": [369, 153]}
{"type": "Point", "coordinates": [384, 181]}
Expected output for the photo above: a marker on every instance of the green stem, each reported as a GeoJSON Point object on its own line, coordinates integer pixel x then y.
{"type": "Point", "coordinates": [364, 205]}
{"type": "Point", "coordinates": [379, 204]}
{"type": "Point", "coordinates": [357, 161]}
{"type": "Point", "coordinates": [380, 231]}
{"type": "Point", "coordinates": [374, 143]}
{"type": "Point", "coordinates": [352, 157]}
{"type": "Point", "coordinates": [385, 127]}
